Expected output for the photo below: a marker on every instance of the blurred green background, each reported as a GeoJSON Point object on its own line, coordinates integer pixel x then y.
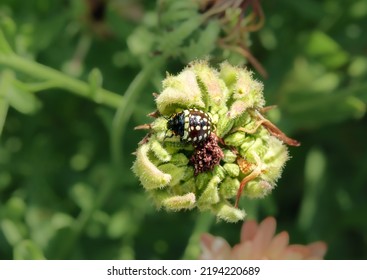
{"type": "Point", "coordinates": [66, 194]}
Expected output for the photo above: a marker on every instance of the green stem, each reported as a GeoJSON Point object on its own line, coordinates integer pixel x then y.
{"type": "Point", "coordinates": [119, 123]}
{"type": "Point", "coordinates": [60, 80]}
{"type": "Point", "coordinates": [40, 86]}
{"type": "Point", "coordinates": [126, 107]}
{"type": "Point", "coordinates": [203, 223]}
{"type": "Point", "coordinates": [84, 217]}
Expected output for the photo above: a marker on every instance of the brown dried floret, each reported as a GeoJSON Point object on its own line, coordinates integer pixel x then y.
{"type": "Point", "coordinates": [206, 155]}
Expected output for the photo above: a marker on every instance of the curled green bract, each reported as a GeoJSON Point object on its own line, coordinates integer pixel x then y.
{"type": "Point", "coordinates": [249, 151]}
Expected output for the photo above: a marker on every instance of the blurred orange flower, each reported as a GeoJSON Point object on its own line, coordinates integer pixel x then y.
{"type": "Point", "coordinates": [259, 242]}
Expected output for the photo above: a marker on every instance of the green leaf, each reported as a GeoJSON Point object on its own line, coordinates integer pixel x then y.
{"type": "Point", "coordinates": [175, 11]}
{"type": "Point", "coordinates": [28, 250]}
{"type": "Point", "coordinates": [5, 48]}
{"type": "Point", "coordinates": [83, 196]}
{"type": "Point", "coordinates": [171, 41]}
{"type": "Point", "coordinates": [61, 245]}
{"type": "Point", "coordinates": [16, 94]}
{"type": "Point", "coordinates": [205, 44]}
{"type": "Point", "coordinates": [313, 109]}
{"type": "Point", "coordinates": [315, 170]}
{"type": "Point", "coordinates": [141, 41]}
{"type": "Point", "coordinates": [326, 49]}
{"type": "Point", "coordinates": [12, 231]}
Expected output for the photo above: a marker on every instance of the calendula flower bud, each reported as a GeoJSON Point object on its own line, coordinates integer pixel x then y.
{"type": "Point", "coordinates": [210, 143]}
{"type": "Point", "coordinates": [176, 203]}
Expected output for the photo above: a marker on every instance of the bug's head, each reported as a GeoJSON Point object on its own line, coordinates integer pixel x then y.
{"type": "Point", "coordinates": [171, 127]}
{"type": "Point", "coordinates": [173, 123]}
{"type": "Point", "coordinates": [170, 123]}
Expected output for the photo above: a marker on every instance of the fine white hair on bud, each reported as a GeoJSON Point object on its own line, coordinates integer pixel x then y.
{"type": "Point", "coordinates": [210, 143]}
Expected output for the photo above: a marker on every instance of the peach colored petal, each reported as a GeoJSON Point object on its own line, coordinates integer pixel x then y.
{"type": "Point", "coordinates": [296, 252]}
{"type": "Point", "coordinates": [292, 256]}
{"type": "Point", "coordinates": [248, 230]}
{"type": "Point", "coordinates": [263, 237]}
{"type": "Point", "coordinates": [242, 251]}
{"type": "Point", "coordinates": [214, 248]}
{"type": "Point", "coordinates": [277, 246]}
{"type": "Point", "coordinates": [317, 250]}
{"type": "Point", "coordinates": [258, 242]}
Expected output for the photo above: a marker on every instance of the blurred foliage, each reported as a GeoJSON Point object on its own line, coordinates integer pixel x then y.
{"type": "Point", "coordinates": [66, 188]}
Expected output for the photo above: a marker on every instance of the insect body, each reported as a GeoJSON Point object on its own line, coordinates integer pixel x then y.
{"type": "Point", "coordinates": [192, 125]}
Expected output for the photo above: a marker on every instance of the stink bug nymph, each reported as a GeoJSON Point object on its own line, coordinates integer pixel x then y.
{"type": "Point", "coordinates": [192, 125]}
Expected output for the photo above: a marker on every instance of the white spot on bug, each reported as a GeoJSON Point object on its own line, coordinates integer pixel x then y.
{"type": "Point", "coordinates": [200, 137]}
{"type": "Point", "coordinates": [205, 127]}
{"type": "Point", "coordinates": [205, 135]}
{"type": "Point", "coordinates": [195, 139]}
{"type": "Point", "coordinates": [205, 120]}
{"type": "Point", "coordinates": [186, 125]}
{"type": "Point", "coordinates": [185, 135]}
{"type": "Point", "coordinates": [189, 139]}
{"type": "Point", "coordinates": [198, 127]}
{"type": "Point", "coordinates": [191, 128]}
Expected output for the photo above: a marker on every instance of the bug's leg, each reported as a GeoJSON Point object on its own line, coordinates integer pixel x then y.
{"type": "Point", "coordinates": [168, 134]}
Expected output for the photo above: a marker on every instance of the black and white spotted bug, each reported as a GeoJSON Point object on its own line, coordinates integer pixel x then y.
{"type": "Point", "coordinates": [192, 125]}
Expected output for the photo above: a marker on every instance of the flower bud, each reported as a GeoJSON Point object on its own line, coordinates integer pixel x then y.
{"type": "Point", "coordinates": [180, 91]}
{"type": "Point", "coordinates": [210, 195]}
{"type": "Point", "coordinates": [229, 156]}
{"type": "Point", "coordinates": [150, 176]}
{"type": "Point", "coordinates": [180, 202]}
{"type": "Point", "coordinates": [210, 143]}
{"type": "Point", "coordinates": [230, 214]}
{"type": "Point", "coordinates": [229, 187]}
